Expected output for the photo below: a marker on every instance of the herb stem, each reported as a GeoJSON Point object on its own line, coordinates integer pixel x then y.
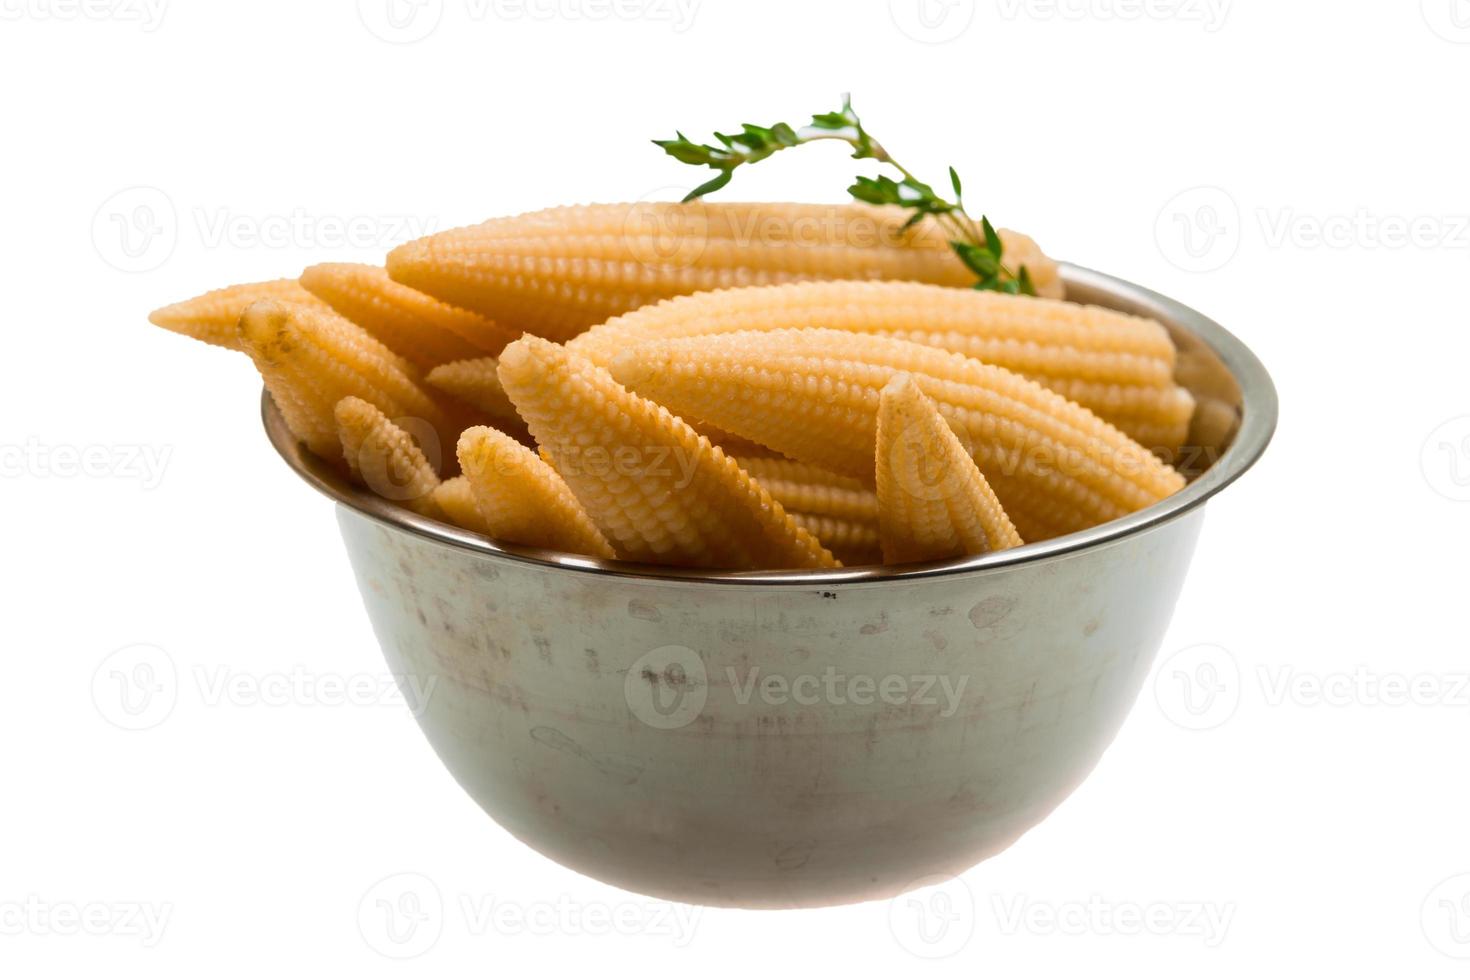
{"type": "Point", "coordinates": [977, 246]}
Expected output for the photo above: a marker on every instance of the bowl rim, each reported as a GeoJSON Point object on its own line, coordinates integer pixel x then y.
{"type": "Point", "coordinates": [1259, 409]}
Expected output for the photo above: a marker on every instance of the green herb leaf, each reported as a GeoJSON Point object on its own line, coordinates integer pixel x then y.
{"type": "Point", "coordinates": [709, 186]}
{"type": "Point", "coordinates": [992, 240]}
{"type": "Point", "coordinates": [981, 250]}
{"type": "Point", "coordinates": [978, 260]}
{"type": "Point", "coordinates": [1023, 280]}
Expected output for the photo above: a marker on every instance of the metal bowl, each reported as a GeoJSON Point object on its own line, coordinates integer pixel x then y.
{"type": "Point", "coordinates": [791, 738]}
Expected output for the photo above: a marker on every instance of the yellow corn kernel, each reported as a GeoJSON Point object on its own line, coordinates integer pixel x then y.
{"type": "Point", "coordinates": [557, 272]}
{"type": "Point", "coordinates": [659, 490]}
{"type": "Point", "coordinates": [456, 501]}
{"type": "Point", "coordinates": [851, 542]}
{"type": "Point", "coordinates": [214, 317]}
{"type": "Point", "coordinates": [1119, 366]}
{"type": "Point", "coordinates": [933, 502]}
{"type": "Point", "coordinates": [421, 329]}
{"type": "Point", "coordinates": [475, 382]}
{"type": "Point", "coordinates": [522, 499]}
{"type": "Point", "coordinates": [813, 395]}
{"type": "Point", "coordinates": [384, 458]}
{"type": "Point", "coordinates": [838, 510]}
{"type": "Point", "coordinates": [807, 489]}
{"type": "Point", "coordinates": [311, 359]}
{"type": "Point", "coordinates": [732, 444]}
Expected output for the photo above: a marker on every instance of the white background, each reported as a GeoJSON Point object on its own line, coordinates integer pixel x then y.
{"type": "Point", "coordinates": [1312, 807]}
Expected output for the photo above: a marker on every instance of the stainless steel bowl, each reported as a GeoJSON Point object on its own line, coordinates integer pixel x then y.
{"type": "Point", "coordinates": [791, 738]}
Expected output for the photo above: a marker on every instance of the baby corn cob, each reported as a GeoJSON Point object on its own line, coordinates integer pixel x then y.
{"type": "Point", "coordinates": [419, 328]}
{"type": "Point", "coordinates": [806, 489]}
{"type": "Point", "coordinates": [384, 458]}
{"type": "Point", "coordinates": [311, 359]}
{"type": "Point", "coordinates": [456, 501]}
{"type": "Point", "coordinates": [557, 272]}
{"type": "Point", "coordinates": [522, 500]}
{"type": "Point", "coordinates": [813, 395]}
{"type": "Point", "coordinates": [851, 542]}
{"type": "Point", "coordinates": [933, 502]}
{"type": "Point", "coordinates": [659, 490]}
{"type": "Point", "coordinates": [475, 382]}
{"type": "Point", "coordinates": [1119, 366]}
{"type": "Point", "coordinates": [733, 445]}
{"type": "Point", "coordinates": [838, 510]}
{"type": "Point", "coordinates": [214, 317]}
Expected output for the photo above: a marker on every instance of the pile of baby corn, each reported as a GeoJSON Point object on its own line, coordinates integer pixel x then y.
{"type": "Point", "coordinates": [626, 382]}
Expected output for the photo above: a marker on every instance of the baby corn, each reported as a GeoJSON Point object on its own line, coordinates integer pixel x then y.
{"type": "Point", "coordinates": [806, 489]}
{"type": "Point", "coordinates": [557, 272]}
{"type": "Point", "coordinates": [813, 395]}
{"type": "Point", "coordinates": [851, 542]}
{"type": "Point", "coordinates": [476, 383]}
{"type": "Point", "coordinates": [838, 510]}
{"type": "Point", "coordinates": [522, 500]}
{"type": "Point", "coordinates": [456, 501]}
{"type": "Point", "coordinates": [656, 488]}
{"type": "Point", "coordinates": [419, 328]}
{"type": "Point", "coordinates": [384, 458]}
{"type": "Point", "coordinates": [214, 317]}
{"type": "Point", "coordinates": [1119, 366]}
{"type": "Point", "coordinates": [311, 359]}
{"type": "Point", "coordinates": [733, 445]}
{"type": "Point", "coordinates": [933, 502]}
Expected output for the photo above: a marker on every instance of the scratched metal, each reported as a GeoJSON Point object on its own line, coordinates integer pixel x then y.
{"type": "Point", "coordinates": [1004, 688]}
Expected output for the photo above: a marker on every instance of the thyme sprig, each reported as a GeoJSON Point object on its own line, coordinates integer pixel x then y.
{"type": "Point", "coordinates": [977, 245]}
